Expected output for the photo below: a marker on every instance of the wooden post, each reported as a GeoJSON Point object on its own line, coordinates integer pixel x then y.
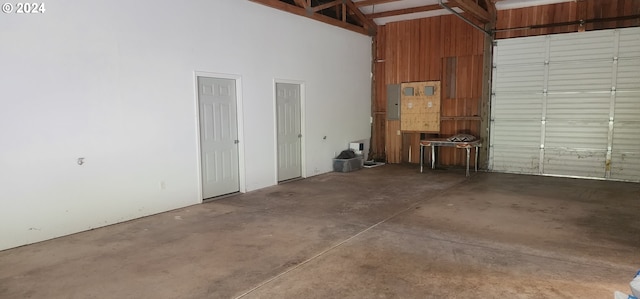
{"type": "Point", "coordinates": [485, 100]}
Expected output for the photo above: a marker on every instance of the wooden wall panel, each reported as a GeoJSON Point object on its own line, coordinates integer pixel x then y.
{"type": "Point", "coordinates": [411, 147]}
{"type": "Point", "coordinates": [461, 105]}
{"type": "Point", "coordinates": [567, 12]}
{"type": "Point", "coordinates": [378, 134]}
{"type": "Point", "coordinates": [393, 142]}
{"type": "Point", "coordinates": [414, 51]}
{"type": "Point", "coordinates": [454, 156]}
{"type": "Point", "coordinates": [379, 101]}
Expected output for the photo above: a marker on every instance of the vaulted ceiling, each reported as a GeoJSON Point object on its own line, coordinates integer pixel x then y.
{"type": "Point", "coordinates": [364, 16]}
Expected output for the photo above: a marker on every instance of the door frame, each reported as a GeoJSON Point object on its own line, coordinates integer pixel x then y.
{"type": "Point", "coordinates": [302, 127]}
{"type": "Point", "coordinates": [239, 125]}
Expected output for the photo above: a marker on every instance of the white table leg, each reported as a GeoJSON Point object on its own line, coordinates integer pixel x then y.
{"type": "Point", "coordinates": [421, 156]}
{"type": "Point", "coordinates": [468, 154]}
{"type": "Point", "coordinates": [476, 164]}
{"type": "Point", "coordinates": [433, 156]}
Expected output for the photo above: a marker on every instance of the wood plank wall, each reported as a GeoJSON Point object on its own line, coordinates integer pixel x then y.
{"type": "Point", "coordinates": [566, 12]}
{"type": "Point", "coordinates": [442, 49]}
{"type": "Point", "coordinates": [379, 104]}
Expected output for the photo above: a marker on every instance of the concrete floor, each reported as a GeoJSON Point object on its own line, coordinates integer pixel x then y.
{"type": "Point", "coordinates": [385, 232]}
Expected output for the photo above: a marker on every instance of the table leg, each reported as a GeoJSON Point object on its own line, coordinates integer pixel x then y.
{"type": "Point", "coordinates": [433, 156]}
{"type": "Point", "coordinates": [476, 164]}
{"type": "Point", "coordinates": [468, 154]}
{"type": "Point", "coordinates": [421, 156]}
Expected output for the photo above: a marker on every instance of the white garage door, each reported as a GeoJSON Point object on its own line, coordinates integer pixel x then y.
{"type": "Point", "coordinates": [568, 105]}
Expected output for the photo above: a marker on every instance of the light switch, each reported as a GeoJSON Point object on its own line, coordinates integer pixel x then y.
{"type": "Point", "coordinates": [410, 105]}
{"type": "Point", "coordinates": [430, 104]}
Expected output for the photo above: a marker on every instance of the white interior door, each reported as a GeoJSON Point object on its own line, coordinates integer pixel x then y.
{"type": "Point", "coordinates": [289, 131]}
{"type": "Point", "coordinates": [218, 136]}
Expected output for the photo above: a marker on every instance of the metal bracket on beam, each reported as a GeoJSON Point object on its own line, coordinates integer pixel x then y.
{"type": "Point", "coordinates": [309, 10]}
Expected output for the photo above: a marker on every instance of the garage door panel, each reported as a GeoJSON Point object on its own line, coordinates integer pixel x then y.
{"type": "Point", "coordinates": [577, 134]}
{"type": "Point", "coordinates": [518, 106]}
{"type": "Point", "coordinates": [625, 166]}
{"type": "Point", "coordinates": [586, 120]}
{"type": "Point", "coordinates": [516, 159]}
{"type": "Point", "coordinates": [581, 54]}
{"type": "Point", "coordinates": [626, 136]}
{"type": "Point", "coordinates": [583, 163]}
{"type": "Point", "coordinates": [629, 43]}
{"type": "Point", "coordinates": [528, 50]}
{"type": "Point", "coordinates": [521, 133]}
{"type": "Point", "coordinates": [628, 77]}
{"type": "Point", "coordinates": [520, 79]}
{"type": "Point", "coordinates": [627, 106]}
{"type": "Point", "coordinates": [593, 45]}
{"type": "Point", "coordinates": [585, 106]}
{"type": "Point", "coordinates": [580, 77]}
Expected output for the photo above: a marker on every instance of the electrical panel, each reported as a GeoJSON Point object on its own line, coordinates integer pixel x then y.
{"type": "Point", "coordinates": [393, 101]}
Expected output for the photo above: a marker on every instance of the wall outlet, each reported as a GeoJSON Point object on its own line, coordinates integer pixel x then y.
{"type": "Point", "coordinates": [163, 185]}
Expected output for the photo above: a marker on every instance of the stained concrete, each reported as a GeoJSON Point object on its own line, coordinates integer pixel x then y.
{"type": "Point", "coordinates": [385, 232]}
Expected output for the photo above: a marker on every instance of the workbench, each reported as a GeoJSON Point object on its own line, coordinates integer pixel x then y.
{"type": "Point", "coordinates": [445, 142]}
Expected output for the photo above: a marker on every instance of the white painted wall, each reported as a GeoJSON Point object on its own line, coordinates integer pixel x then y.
{"type": "Point", "coordinates": [113, 82]}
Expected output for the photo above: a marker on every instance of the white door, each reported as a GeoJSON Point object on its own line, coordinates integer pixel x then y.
{"type": "Point", "coordinates": [289, 133]}
{"type": "Point", "coordinates": [566, 104]}
{"type": "Point", "coordinates": [218, 136]}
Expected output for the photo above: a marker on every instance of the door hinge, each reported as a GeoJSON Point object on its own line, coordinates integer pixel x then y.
{"type": "Point", "coordinates": [299, 135]}
{"type": "Point", "coordinates": [236, 141]}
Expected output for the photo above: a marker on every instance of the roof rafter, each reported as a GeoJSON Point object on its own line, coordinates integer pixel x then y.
{"type": "Point", "coordinates": [473, 9]}
{"type": "Point", "coordinates": [403, 11]}
{"type": "Point", "coordinates": [493, 12]}
{"type": "Point", "coordinates": [303, 8]}
{"type": "Point", "coordinates": [326, 5]}
{"type": "Point", "coordinates": [372, 2]}
{"type": "Point", "coordinates": [301, 3]}
{"type": "Point", "coordinates": [360, 16]}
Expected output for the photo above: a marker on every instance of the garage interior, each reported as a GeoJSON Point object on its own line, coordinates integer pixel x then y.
{"type": "Point", "coordinates": [550, 89]}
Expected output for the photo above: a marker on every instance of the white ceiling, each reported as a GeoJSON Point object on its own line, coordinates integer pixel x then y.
{"type": "Point", "coordinates": [402, 4]}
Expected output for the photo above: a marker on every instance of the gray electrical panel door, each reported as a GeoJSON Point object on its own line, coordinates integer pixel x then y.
{"type": "Point", "coordinates": [393, 101]}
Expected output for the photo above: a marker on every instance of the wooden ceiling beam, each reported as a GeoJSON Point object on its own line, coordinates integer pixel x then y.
{"type": "Point", "coordinates": [493, 13]}
{"type": "Point", "coordinates": [372, 2]}
{"type": "Point", "coordinates": [344, 12]}
{"type": "Point", "coordinates": [491, 7]}
{"type": "Point", "coordinates": [318, 17]}
{"type": "Point", "coordinates": [326, 5]}
{"type": "Point", "coordinates": [368, 24]}
{"type": "Point", "coordinates": [404, 11]}
{"type": "Point", "coordinates": [301, 3]}
{"type": "Point", "coordinates": [473, 9]}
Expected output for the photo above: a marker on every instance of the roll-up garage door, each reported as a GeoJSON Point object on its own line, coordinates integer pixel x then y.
{"type": "Point", "coordinates": [568, 105]}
